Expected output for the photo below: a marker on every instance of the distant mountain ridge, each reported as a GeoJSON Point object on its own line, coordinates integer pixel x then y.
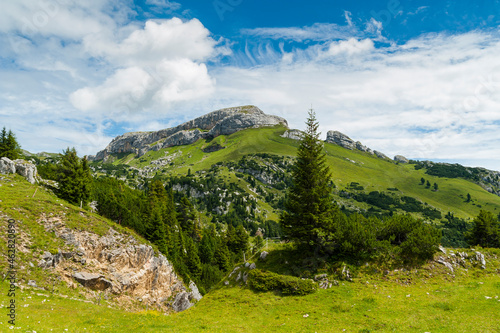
{"type": "Point", "coordinates": [220, 122]}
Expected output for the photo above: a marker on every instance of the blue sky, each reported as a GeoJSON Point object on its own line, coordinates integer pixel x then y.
{"type": "Point", "coordinates": [417, 78]}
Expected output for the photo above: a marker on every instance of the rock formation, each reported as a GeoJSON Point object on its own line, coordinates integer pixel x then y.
{"type": "Point", "coordinates": [220, 122]}
{"type": "Point", "coordinates": [401, 159]}
{"type": "Point", "coordinates": [116, 263]}
{"type": "Point", "coordinates": [26, 169]}
{"type": "Point", "coordinates": [344, 141]}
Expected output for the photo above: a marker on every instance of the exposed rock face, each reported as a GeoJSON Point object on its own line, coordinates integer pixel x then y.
{"type": "Point", "coordinates": [26, 169]}
{"type": "Point", "coordinates": [117, 263]}
{"type": "Point", "coordinates": [340, 139]}
{"type": "Point", "coordinates": [220, 122]}
{"type": "Point", "coordinates": [344, 141]}
{"type": "Point", "coordinates": [294, 134]}
{"type": "Point", "coordinates": [401, 159]}
{"type": "Point", "coordinates": [92, 281]}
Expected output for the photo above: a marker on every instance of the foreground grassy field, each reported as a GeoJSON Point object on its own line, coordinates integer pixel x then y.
{"type": "Point", "coordinates": [467, 303]}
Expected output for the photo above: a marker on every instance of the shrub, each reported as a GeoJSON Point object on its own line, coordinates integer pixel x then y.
{"type": "Point", "coordinates": [288, 285]}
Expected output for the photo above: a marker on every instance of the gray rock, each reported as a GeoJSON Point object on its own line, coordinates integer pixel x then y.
{"type": "Point", "coordinates": [32, 283]}
{"type": "Point", "coordinates": [340, 139]}
{"type": "Point", "coordinates": [92, 281]}
{"type": "Point", "coordinates": [252, 266]}
{"type": "Point", "coordinates": [220, 122]}
{"type": "Point", "coordinates": [294, 134]}
{"type": "Point", "coordinates": [26, 169]}
{"type": "Point", "coordinates": [401, 159]}
{"type": "Point", "coordinates": [247, 264]}
{"type": "Point", "coordinates": [480, 258]}
{"type": "Point", "coordinates": [380, 155]}
{"type": "Point", "coordinates": [445, 263]}
{"type": "Point", "coordinates": [320, 277]}
{"type": "Point", "coordinates": [181, 302]}
{"type": "Point", "coordinates": [195, 294]}
{"type": "Point", "coordinates": [263, 255]}
{"type": "Point", "coordinates": [7, 166]}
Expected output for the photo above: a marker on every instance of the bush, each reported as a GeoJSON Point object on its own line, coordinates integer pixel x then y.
{"type": "Point", "coordinates": [288, 285]}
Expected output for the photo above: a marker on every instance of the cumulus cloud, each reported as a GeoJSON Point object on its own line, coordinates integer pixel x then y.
{"type": "Point", "coordinates": [135, 88]}
{"type": "Point", "coordinates": [156, 65]}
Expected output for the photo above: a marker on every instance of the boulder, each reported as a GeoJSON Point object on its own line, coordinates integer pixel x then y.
{"type": "Point", "coordinates": [401, 159]}
{"type": "Point", "coordinates": [27, 170]}
{"type": "Point", "coordinates": [252, 266]}
{"type": "Point", "coordinates": [380, 155]}
{"type": "Point", "coordinates": [7, 166]}
{"type": "Point", "coordinates": [263, 255]}
{"type": "Point", "coordinates": [195, 293]}
{"type": "Point", "coordinates": [181, 302]}
{"type": "Point", "coordinates": [294, 134]}
{"type": "Point", "coordinates": [92, 281]}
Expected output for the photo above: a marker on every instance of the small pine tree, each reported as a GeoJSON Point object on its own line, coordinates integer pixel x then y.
{"type": "Point", "coordinates": [428, 184]}
{"type": "Point", "coordinates": [422, 181]}
{"type": "Point", "coordinates": [468, 197]}
{"type": "Point", "coordinates": [435, 186]}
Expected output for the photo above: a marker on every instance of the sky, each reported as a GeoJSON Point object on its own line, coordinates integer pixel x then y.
{"type": "Point", "coordinates": [415, 78]}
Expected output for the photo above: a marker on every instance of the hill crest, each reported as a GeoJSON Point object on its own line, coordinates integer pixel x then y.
{"type": "Point", "coordinates": [220, 122]}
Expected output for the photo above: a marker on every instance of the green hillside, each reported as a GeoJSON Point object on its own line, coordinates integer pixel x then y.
{"type": "Point", "coordinates": [348, 166]}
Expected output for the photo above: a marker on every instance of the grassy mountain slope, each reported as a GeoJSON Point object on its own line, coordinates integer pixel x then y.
{"type": "Point", "coordinates": [429, 299]}
{"type": "Point", "coordinates": [373, 174]}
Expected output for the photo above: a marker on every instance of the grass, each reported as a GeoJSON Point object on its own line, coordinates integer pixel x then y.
{"type": "Point", "coordinates": [426, 299]}
{"type": "Point", "coordinates": [370, 304]}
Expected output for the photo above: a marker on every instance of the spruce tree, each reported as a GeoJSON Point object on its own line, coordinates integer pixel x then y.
{"type": "Point", "coordinates": [9, 147]}
{"type": "Point", "coordinates": [485, 231]}
{"type": "Point", "coordinates": [307, 218]}
{"type": "Point", "coordinates": [74, 178]}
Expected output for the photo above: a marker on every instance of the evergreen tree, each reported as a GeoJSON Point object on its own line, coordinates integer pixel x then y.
{"type": "Point", "coordinates": [74, 178]}
{"type": "Point", "coordinates": [9, 147]}
{"type": "Point", "coordinates": [428, 184]}
{"type": "Point", "coordinates": [468, 197]}
{"type": "Point", "coordinates": [485, 231]}
{"type": "Point", "coordinates": [435, 186]}
{"type": "Point", "coordinates": [193, 260]}
{"type": "Point", "coordinates": [308, 215]}
{"type": "Point", "coordinates": [422, 181]}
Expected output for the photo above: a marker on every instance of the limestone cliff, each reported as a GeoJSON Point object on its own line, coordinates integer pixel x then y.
{"type": "Point", "coordinates": [220, 122]}
{"type": "Point", "coordinates": [116, 264]}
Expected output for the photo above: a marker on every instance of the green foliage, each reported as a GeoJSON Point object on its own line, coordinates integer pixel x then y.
{"type": "Point", "coordinates": [307, 218]}
{"type": "Point", "coordinates": [288, 285]}
{"type": "Point", "coordinates": [9, 147]}
{"type": "Point", "coordinates": [485, 230]}
{"type": "Point", "coordinates": [74, 178]}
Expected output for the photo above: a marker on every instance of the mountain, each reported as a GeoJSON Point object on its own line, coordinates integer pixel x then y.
{"type": "Point", "coordinates": [220, 122]}
{"type": "Point", "coordinates": [254, 155]}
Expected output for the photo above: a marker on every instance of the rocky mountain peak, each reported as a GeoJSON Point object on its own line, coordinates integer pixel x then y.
{"type": "Point", "coordinates": [220, 122]}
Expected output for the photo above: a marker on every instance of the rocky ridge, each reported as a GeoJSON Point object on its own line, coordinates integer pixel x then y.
{"type": "Point", "coordinates": [220, 122]}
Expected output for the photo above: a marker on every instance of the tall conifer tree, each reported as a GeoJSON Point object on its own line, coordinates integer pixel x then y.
{"type": "Point", "coordinates": [309, 209]}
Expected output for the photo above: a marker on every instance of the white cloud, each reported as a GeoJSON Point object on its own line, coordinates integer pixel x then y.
{"type": "Point", "coordinates": [436, 96]}
{"type": "Point", "coordinates": [316, 32]}
{"type": "Point", "coordinates": [350, 47]}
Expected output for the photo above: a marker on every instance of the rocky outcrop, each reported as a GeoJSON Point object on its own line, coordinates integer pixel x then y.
{"type": "Point", "coordinates": [401, 159]}
{"type": "Point", "coordinates": [220, 122]}
{"type": "Point", "coordinates": [340, 139]}
{"type": "Point", "coordinates": [294, 134]}
{"type": "Point", "coordinates": [26, 169]}
{"type": "Point", "coordinates": [116, 263]}
{"type": "Point", "coordinates": [344, 141]}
